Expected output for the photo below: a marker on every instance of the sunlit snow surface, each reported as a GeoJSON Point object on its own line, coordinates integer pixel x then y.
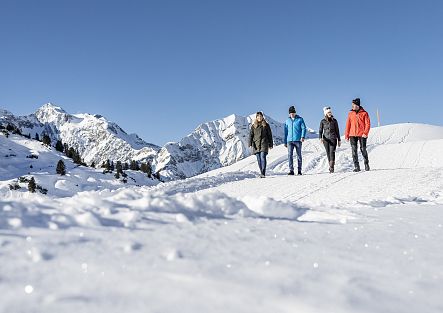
{"type": "Point", "coordinates": [227, 241]}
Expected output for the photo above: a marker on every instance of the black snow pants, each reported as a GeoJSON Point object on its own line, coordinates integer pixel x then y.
{"type": "Point", "coordinates": [362, 141]}
{"type": "Point", "coordinates": [330, 146]}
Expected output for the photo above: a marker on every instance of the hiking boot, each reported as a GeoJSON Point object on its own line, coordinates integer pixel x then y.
{"type": "Point", "coordinates": [291, 173]}
{"type": "Point", "coordinates": [331, 167]}
{"type": "Point", "coordinates": [262, 176]}
{"type": "Point", "coordinates": [357, 169]}
{"type": "Point", "coordinates": [367, 167]}
{"type": "Point", "coordinates": [299, 173]}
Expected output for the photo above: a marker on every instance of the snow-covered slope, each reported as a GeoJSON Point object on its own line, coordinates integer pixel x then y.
{"type": "Point", "coordinates": [96, 138]}
{"type": "Point", "coordinates": [227, 240]}
{"type": "Point", "coordinates": [22, 157]}
{"type": "Point", "coordinates": [406, 145]}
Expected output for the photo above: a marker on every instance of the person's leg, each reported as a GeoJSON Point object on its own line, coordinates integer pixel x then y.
{"type": "Point", "coordinates": [328, 152]}
{"type": "Point", "coordinates": [364, 152]}
{"type": "Point", "coordinates": [259, 161]}
{"type": "Point", "coordinates": [291, 156]}
{"type": "Point", "coordinates": [354, 141]}
{"type": "Point", "coordinates": [332, 148]}
{"type": "Point", "coordinates": [263, 162]}
{"type": "Point", "coordinates": [298, 145]}
{"type": "Point", "coordinates": [327, 144]}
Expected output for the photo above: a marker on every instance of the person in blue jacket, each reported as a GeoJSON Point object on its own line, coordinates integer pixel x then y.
{"type": "Point", "coordinates": [295, 132]}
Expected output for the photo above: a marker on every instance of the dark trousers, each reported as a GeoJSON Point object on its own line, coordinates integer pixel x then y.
{"type": "Point", "coordinates": [261, 160]}
{"type": "Point", "coordinates": [297, 145]}
{"type": "Point", "coordinates": [330, 146]}
{"type": "Point", "coordinates": [362, 141]}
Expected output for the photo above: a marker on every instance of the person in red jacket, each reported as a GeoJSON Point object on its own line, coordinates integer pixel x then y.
{"type": "Point", "coordinates": [358, 125]}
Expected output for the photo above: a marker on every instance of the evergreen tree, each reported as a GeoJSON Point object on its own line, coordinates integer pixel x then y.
{"type": "Point", "coordinates": [65, 149]}
{"type": "Point", "coordinates": [93, 164]}
{"type": "Point", "coordinates": [59, 146]}
{"type": "Point", "coordinates": [46, 140]}
{"type": "Point", "coordinates": [32, 185]}
{"type": "Point", "coordinates": [117, 175]}
{"type": "Point", "coordinates": [125, 166]}
{"type": "Point", "coordinates": [106, 165]}
{"type": "Point", "coordinates": [112, 166]}
{"type": "Point", "coordinates": [61, 169]}
{"type": "Point", "coordinates": [71, 153]}
{"type": "Point", "coordinates": [17, 131]}
{"type": "Point", "coordinates": [143, 167]}
{"type": "Point", "coordinates": [134, 166]}
{"type": "Point", "coordinates": [37, 137]}
{"type": "Point", "coordinates": [119, 167]}
{"type": "Point", "coordinates": [77, 158]}
{"type": "Point", "coordinates": [149, 171]}
{"type": "Point", "coordinates": [146, 168]}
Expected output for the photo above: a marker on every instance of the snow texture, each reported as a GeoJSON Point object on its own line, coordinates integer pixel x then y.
{"type": "Point", "coordinates": [227, 240]}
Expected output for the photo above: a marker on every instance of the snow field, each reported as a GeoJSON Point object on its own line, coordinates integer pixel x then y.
{"type": "Point", "coordinates": [228, 240]}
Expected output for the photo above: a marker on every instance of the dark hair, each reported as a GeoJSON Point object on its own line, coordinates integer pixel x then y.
{"type": "Point", "coordinates": [259, 113]}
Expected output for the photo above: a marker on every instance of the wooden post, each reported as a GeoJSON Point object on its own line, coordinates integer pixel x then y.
{"type": "Point", "coordinates": [378, 118]}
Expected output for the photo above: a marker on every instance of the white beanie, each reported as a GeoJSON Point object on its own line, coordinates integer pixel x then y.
{"type": "Point", "coordinates": [326, 110]}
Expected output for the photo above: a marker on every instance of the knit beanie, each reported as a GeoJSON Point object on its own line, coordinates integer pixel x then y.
{"type": "Point", "coordinates": [326, 110]}
{"type": "Point", "coordinates": [292, 109]}
{"type": "Point", "coordinates": [356, 101]}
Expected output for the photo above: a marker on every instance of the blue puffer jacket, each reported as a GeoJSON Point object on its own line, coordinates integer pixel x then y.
{"type": "Point", "coordinates": [295, 129]}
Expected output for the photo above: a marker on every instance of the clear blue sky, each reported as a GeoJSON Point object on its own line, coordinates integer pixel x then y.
{"type": "Point", "coordinates": [159, 68]}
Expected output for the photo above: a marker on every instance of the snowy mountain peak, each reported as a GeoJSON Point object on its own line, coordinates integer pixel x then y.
{"type": "Point", "coordinates": [50, 113]}
{"type": "Point", "coordinates": [51, 106]}
{"type": "Point", "coordinates": [93, 136]}
{"type": "Point", "coordinates": [4, 113]}
{"type": "Point", "coordinates": [50, 109]}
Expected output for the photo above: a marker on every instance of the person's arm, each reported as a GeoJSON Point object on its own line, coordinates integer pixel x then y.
{"type": "Point", "coordinates": [348, 126]}
{"type": "Point", "coordinates": [285, 139]}
{"type": "Point", "coordinates": [338, 130]}
{"type": "Point", "coordinates": [303, 129]}
{"type": "Point", "coordinates": [367, 125]}
{"type": "Point", "coordinates": [320, 130]}
{"type": "Point", "coordinates": [251, 136]}
{"type": "Point", "coordinates": [269, 134]}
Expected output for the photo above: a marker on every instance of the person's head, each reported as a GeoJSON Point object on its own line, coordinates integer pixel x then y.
{"type": "Point", "coordinates": [356, 104]}
{"type": "Point", "coordinates": [259, 116]}
{"type": "Point", "coordinates": [292, 111]}
{"type": "Point", "coordinates": [327, 112]}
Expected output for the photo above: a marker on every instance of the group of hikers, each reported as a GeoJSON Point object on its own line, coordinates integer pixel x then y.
{"type": "Point", "coordinates": [357, 129]}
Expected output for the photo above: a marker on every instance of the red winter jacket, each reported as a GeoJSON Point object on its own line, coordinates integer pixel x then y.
{"type": "Point", "coordinates": [357, 124]}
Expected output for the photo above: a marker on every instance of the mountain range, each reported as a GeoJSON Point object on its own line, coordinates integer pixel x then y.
{"type": "Point", "coordinates": [210, 146]}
